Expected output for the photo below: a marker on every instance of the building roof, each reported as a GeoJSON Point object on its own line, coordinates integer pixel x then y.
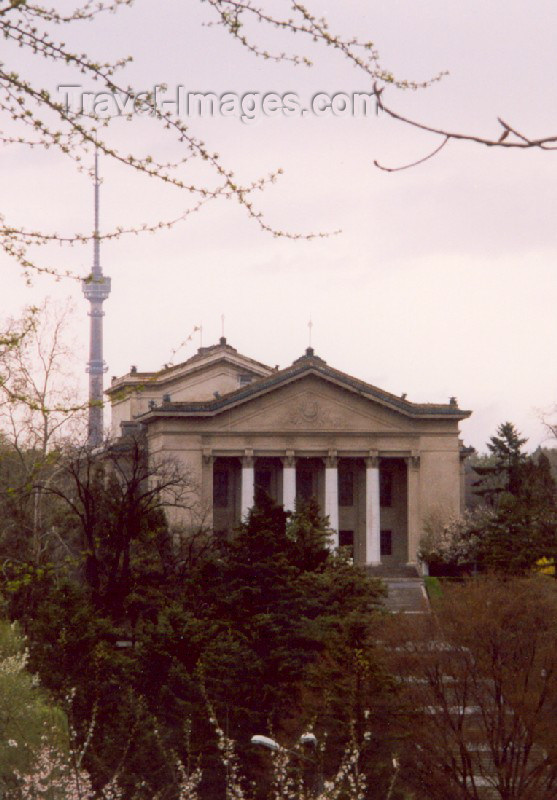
{"type": "Point", "coordinates": [308, 364]}
{"type": "Point", "coordinates": [204, 357]}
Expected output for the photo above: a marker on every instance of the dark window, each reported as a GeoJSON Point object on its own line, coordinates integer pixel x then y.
{"type": "Point", "coordinates": [386, 543]}
{"type": "Point", "coordinates": [386, 488]}
{"type": "Point", "coordinates": [346, 539]}
{"type": "Point", "coordinates": [245, 380]}
{"type": "Point", "coordinates": [345, 487]}
{"type": "Point", "coordinates": [304, 485]}
{"type": "Point", "coordinates": [262, 483]}
{"type": "Point", "coordinates": [263, 479]}
{"type": "Point", "coordinates": [220, 489]}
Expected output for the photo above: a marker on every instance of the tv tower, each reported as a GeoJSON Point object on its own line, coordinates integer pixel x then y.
{"type": "Point", "coordinates": [96, 288]}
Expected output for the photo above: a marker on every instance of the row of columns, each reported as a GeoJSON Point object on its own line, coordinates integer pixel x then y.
{"type": "Point", "coordinates": [373, 518]}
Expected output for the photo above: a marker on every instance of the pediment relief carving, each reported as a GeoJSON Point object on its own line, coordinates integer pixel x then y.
{"type": "Point", "coordinates": [310, 413]}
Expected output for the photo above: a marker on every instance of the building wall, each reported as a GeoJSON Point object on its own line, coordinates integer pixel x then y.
{"type": "Point", "coordinates": [184, 451]}
{"type": "Point", "coordinates": [440, 485]}
{"type": "Point", "coordinates": [194, 387]}
{"type": "Point", "coordinates": [194, 381]}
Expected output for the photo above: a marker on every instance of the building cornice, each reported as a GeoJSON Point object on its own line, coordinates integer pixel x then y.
{"type": "Point", "coordinates": [307, 365]}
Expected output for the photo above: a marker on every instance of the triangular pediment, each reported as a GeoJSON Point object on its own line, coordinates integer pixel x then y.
{"type": "Point", "coordinates": [311, 403]}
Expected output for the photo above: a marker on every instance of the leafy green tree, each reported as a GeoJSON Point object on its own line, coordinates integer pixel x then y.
{"type": "Point", "coordinates": [277, 593]}
{"type": "Point", "coordinates": [242, 624]}
{"type": "Point", "coordinates": [28, 719]}
{"type": "Point", "coordinates": [551, 454]}
{"type": "Point", "coordinates": [115, 523]}
{"type": "Point", "coordinates": [516, 537]}
{"type": "Point", "coordinates": [82, 612]}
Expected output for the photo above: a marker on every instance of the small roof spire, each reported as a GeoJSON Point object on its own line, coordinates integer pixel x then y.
{"type": "Point", "coordinates": [222, 339]}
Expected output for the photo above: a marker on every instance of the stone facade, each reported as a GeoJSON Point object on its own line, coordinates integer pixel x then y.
{"type": "Point", "coordinates": [376, 463]}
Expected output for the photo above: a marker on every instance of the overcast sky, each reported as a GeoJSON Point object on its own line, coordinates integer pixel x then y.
{"type": "Point", "coordinates": [442, 281]}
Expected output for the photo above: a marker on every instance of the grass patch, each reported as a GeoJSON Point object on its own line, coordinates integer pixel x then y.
{"type": "Point", "coordinates": [433, 587]}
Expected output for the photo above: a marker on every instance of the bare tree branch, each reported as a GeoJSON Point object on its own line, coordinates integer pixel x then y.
{"type": "Point", "coordinates": [510, 138]}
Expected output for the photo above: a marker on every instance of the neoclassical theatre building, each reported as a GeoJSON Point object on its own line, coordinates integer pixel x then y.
{"type": "Point", "coordinates": [375, 462]}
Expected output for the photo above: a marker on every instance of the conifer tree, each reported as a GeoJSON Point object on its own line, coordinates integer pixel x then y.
{"type": "Point", "coordinates": [502, 473]}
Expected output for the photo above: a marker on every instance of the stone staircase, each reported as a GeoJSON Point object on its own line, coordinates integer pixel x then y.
{"type": "Point", "coordinates": [405, 588]}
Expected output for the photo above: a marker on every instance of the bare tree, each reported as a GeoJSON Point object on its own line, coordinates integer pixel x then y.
{"type": "Point", "coordinates": [116, 501]}
{"type": "Point", "coordinates": [38, 410]}
{"type": "Point", "coordinates": [38, 390]}
{"type": "Point", "coordinates": [479, 677]}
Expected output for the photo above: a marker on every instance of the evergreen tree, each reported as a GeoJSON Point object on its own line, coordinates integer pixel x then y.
{"type": "Point", "coordinates": [502, 472]}
{"type": "Point", "coordinates": [537, 484]}
{"type": "Point", "coordinates": [244, 623]}
{"type": "Point", "coordinates": [523, 529]}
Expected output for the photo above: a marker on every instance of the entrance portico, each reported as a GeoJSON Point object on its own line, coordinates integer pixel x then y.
{"type": "Point", "coordinates": [365, 497]}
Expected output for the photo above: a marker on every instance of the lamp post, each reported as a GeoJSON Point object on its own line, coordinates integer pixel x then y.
{"type": "Point", "coordinates": [305, 739]}
{"type": "Point", "coordinates": [396, 767]}
{"type": "Point", "coordinates": [266, 741]}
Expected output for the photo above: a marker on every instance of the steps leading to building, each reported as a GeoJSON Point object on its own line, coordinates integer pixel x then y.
{"type": "Point", "coordinates": [392, 571]}
{"type": "Point", "coordinates": [406, 595]}
{"type": "Point", "coordinates": [405, 588]}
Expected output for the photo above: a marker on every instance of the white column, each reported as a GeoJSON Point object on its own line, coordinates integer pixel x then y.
{"type": "Point", "coordinates": [247, 493]}
{"type": "Point", "coordinates": [413, 506]}
{"type": "Point", "coordinates": [207, 487]}
{"type": "Point", "coordinates": [373, 512]}
{"type": "Point", "coordinates": [289, 482]}
{"type": "Point", "coordinates": [331, 496]}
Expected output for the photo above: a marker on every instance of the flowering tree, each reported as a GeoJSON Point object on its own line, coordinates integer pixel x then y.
{"type": "Point", "coordinates": [56, 775]}
{"type": "Point", "coordinates": [455, 541]}
{"type": "Point", "coordinates": [236, 16]}
{"type": "Point", "coordinates": [28, 721]}
{"type": "Point", "coordinates": [287, 781]}
{"type": "Point", "coordinates": [53, 777]}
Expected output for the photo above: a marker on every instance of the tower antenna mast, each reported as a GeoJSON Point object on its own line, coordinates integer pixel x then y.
{"type": "Point", "coordinates": [96, 288]}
